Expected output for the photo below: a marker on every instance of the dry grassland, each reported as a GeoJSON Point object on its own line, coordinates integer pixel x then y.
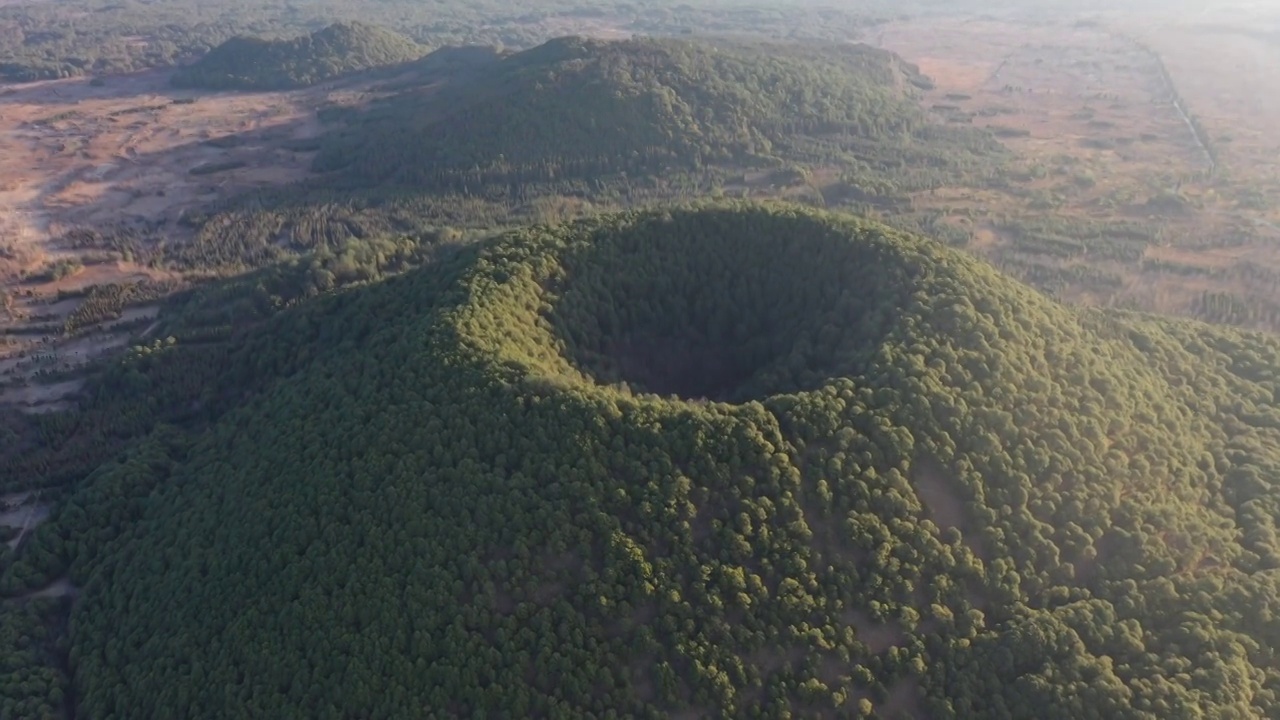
{"type": "Point", "coordinates": [1090, 115]}
{"type": "Point", "coordinates": [78, 156]}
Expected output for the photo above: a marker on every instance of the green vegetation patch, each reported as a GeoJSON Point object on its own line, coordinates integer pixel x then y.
{"type": "Point", "coordinates": [730, 461]}
{"type": "Point", "coordinates": [475, 138]}
{"type": "Point", "coordinates": [245, 63]}
{"type": "Point", "coordinates": [582, 108]}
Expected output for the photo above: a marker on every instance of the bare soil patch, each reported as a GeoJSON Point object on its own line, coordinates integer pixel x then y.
{"type": "Point", "coordinates": [37, 366]}
{"type": "Point", "coordinates": [74, 156]}
{"type": "Point", "coordinates": [878, 636]}
{"type": "Point", "coordinates": [904, 700]}
{"type": "Point", "coordinates": [939, 496]}
{"type": "Point", "coordinates": [943, 499]}
{"type": "Point", "coordinates": [1046, 89]}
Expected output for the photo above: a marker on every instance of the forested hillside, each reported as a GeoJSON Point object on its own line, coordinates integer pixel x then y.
{"type": "Point", "coordinates": [43, 40]}
{"type": "Point", "coordinates": [576, 109]}
{"type": "Point", "coordinates": [480, 139]}
{"type": "Point", "coordinates": [725, 461]}
{"type": "Point", "coordinates": [246, 63]}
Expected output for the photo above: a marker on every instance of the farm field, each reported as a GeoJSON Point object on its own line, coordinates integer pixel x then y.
{"type": "Point", "coordinates": [1118, 199]}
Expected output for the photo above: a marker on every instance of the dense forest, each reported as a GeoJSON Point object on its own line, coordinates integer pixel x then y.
{"type": "Point", "coordinates": [577, 109]}
{"type": "Point", "coordinates": [728, 460]}
{"type": "Point", "coordinates": [471, 138]}
{"type": "Point", "coordinates": [43, 40]}
{"type": "Point", "coordinates": [428, 448]}
{"type": "Point", "coordinates": [247, 63]}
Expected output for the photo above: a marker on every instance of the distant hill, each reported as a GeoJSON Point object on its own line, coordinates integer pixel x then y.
{"type": "Point", "coordinates": [731, 461]}
{"type": "Point", "coordinates": [583, 108]}
{"type": "Point", "coordinates": [247, 63]}
{"type": "Point", "coordinates": [460, 59]}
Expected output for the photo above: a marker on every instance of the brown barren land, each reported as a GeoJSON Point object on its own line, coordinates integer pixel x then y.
{"type": "Point", "coordinates": [76, 156]}
{"type": "Point", "coordinates": [1116, 198]}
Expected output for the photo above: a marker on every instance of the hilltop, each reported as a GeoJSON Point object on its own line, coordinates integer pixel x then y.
{"type": "Point", "coordinates": [577, 109]}
{"type": "Point", "coordinates": [476, 138]}
{"type": "Point", "coordinates": [248, 63]}
{"type": "Point", "coordinates": [727, 461]}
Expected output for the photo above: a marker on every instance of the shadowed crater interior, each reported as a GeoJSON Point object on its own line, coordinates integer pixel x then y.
{"type": "Point", "coordinates": [728, 306]}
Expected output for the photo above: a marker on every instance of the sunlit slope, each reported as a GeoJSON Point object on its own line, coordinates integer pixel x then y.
{"type": "Point", "coordinates": [731, 461]}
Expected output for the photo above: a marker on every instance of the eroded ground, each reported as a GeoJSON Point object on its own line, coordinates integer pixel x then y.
{"type": "Point", "coordinates": [74, 155]}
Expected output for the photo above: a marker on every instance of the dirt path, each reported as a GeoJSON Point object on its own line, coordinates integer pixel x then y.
{"type": "Point", "coordinates": [943, 500]}
{"type": "Point", "coordinates": [1198, 136]}
{"type": "Point", "coordinates": [28, 513]}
